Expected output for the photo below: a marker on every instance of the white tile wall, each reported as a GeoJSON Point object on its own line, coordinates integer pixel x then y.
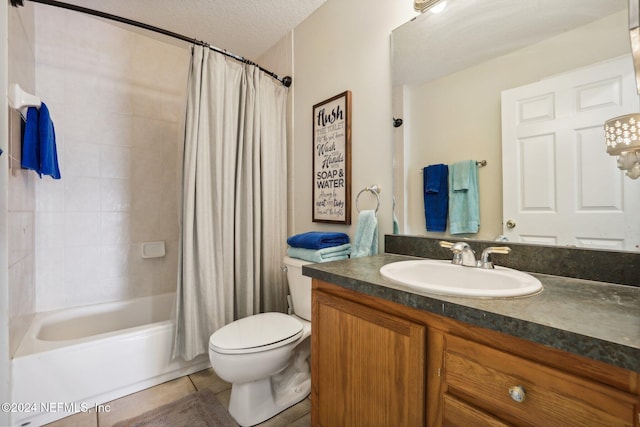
{"type": "Point", "coordinates": [117, 99]}
{"type": "Point", "coordinates": [21, 184]}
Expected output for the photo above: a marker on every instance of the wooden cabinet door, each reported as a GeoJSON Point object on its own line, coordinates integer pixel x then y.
{"type": "Point", "coordinates": [367, 366]}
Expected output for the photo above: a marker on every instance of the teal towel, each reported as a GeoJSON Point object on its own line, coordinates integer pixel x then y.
{"type": "Point", "coordinates": [464, 206]}
{"type": "Point", "coordinates": [366, 241]}
{"type": "Point", "coordinates": [333, 253]}
{"type": "Point", "coordinates": [396, 224]}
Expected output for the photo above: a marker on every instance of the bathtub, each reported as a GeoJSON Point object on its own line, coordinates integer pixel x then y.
{"type": "Point", "coordinates": [78, 359]}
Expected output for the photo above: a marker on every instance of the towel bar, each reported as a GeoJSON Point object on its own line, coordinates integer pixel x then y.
{"type": "Point", "coordinates": [374, 189]}
{"type": "Point", "coordinates": [480, 163]}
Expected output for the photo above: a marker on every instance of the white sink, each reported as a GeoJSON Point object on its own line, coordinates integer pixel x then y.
{"type": "Point", "coordinates": [444, 278]}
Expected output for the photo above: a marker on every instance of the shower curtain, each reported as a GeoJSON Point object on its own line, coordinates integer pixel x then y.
{"type": "Point", "coordinates": [233, 218]}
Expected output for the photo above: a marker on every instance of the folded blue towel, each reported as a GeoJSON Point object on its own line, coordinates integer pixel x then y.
{"type": "Point", "coordinates": [48, 150]}
{"type": "Point", "coordinates": [366, 241]}
{"type": "Point", "coordinates": [334, 253]}
{"type": "Point", "coordinates": [318, 240]}
{"type": "Point", "coordinates": [30, 142]}
{"type": "Point", "coordinates": [436, 196]}
{"type": "Point", "coordinates": [464, 206]}
{"type": "Point", "coordinates": [39, 151]}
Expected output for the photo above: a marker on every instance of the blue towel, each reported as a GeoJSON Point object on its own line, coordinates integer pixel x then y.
{"type": "Point", "coordinates": [318, 240]}
{"type": "Point", "coordinates": [30, 142]}
{"type": "Point", "coordinates": [39, 151]}
{"type": "Point", "coordinates": [366, 241]}
{"type": "Point", "coordinates": [48, 150]}
{"type": "Point", "coordinates": [436, 196]}
{"type": "Point", "coordinates": [464, 207]}
{"type": "Point", "coordinates": [334, 253]}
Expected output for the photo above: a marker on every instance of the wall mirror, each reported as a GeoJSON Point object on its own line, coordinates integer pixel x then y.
{"type": "Point", "coordinates": [532, 81]}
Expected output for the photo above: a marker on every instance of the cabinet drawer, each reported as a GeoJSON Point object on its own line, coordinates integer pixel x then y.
{"type": "Point", "coordinates": [483, 376]}
{"type": "Point", "coordinates": [457, 413]}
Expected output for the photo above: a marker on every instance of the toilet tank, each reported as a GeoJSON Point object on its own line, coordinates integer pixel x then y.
{"type": "Point", "coordinates": [299, 287]}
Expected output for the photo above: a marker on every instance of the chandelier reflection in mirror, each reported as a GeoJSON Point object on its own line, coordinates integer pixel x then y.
{"type": "Point", "coordinates": [622, 135]}
{"type": "Point", "coordinates": [435, 6]}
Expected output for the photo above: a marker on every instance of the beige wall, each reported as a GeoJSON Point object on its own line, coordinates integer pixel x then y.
{"type": "Point", "coordinates": [457, 117]}
{"type": "Point", "coordinates": [117, 101]}
{"type": "Point", "coordinates": [345, 45]}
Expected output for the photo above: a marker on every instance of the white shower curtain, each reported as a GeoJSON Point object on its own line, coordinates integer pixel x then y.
{"type": "Point", "coordinates": [233, 219]}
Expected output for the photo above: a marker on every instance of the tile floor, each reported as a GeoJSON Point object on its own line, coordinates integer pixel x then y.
{"type": "Point", "coordinates": [145, 400]}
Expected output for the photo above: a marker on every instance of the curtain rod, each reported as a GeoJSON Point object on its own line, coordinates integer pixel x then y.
{"type": "Point", "coordinates": [286, 81]}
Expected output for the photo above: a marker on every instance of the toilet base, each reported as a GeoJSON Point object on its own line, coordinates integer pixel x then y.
{"type": "Point", "coordinates": [270, 396]}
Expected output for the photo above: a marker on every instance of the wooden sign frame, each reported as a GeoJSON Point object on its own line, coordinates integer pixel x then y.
{"type": "Point", "coordinates": [331, 178]}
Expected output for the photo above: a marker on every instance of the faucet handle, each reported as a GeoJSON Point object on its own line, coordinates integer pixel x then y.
{"type": "Point", "coordinates": [445, 244]}
{"type": "Point", "coordinates": [498, 249]}
{"type": "Point", "coordinates": [485, 258]}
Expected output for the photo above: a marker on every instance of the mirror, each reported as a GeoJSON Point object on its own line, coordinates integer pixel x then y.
{"type": "Point", "coordinates": [449, 72]}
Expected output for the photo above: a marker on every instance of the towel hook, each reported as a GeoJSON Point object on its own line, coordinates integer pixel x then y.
{"type": "Point", "coordinates": [21, 100]}
{"type": "Point", "coordinates": [375, 190]}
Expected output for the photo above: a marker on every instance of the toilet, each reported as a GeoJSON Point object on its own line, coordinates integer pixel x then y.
{"type": "Point", "coordinates": [265, 356]}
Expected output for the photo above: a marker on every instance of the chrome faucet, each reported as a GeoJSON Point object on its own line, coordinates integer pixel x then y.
{"type": "Point", "coordinates": [465, 256]}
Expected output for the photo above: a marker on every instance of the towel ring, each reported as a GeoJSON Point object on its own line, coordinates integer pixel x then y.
{"type": "Point", "coordinates": [374, 189]}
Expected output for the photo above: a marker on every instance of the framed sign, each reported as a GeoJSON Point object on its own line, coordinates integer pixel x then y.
{"type": "Point", "coordinates": [332, 160]}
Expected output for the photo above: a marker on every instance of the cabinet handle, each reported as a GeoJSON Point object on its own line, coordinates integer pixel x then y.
{"type": "Point", "coordinates": [517, 393]}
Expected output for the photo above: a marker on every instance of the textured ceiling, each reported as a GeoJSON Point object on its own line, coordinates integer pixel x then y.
{"type": "Point", "coordinates": [470, 32]}
{"type": "Point", "coordinates": [244, 27]}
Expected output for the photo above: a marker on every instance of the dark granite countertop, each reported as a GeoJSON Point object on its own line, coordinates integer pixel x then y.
{"type": "Point", "coordinates": [592, 319]}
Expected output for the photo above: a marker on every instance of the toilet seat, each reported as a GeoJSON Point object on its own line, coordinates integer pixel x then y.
{"type": "Point", "coordinates": [256, 333]}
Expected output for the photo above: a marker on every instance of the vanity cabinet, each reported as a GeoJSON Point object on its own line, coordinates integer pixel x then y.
{"type": "Point", "coordinates": [379, 363]}
{"type": "Point", "coordinates": [523, 392]}
{"type": "Point", "coordinates": [367, 366]}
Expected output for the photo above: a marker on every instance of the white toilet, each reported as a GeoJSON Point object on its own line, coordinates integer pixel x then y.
{"type": "Point", "coordinates": [265, 356]}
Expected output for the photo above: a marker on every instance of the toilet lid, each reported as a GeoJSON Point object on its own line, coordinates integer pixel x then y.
{"type": "Point", "coordinates": [256, 333]}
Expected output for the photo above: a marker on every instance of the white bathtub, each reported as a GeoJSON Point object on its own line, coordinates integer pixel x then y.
{"type": "Point", "coordinates": [72, 360]}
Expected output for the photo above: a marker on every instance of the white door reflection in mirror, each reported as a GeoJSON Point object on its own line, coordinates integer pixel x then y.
{"type": "Point", "coordinates": [553, 145]}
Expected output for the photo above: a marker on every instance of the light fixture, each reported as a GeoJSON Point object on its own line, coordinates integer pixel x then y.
{"type": "Point", "coordinates": [435, 6]}
{"type": "Point", "coordinates": [622, 135]}
{"type": "Point", "coordinates": [439, 7]}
